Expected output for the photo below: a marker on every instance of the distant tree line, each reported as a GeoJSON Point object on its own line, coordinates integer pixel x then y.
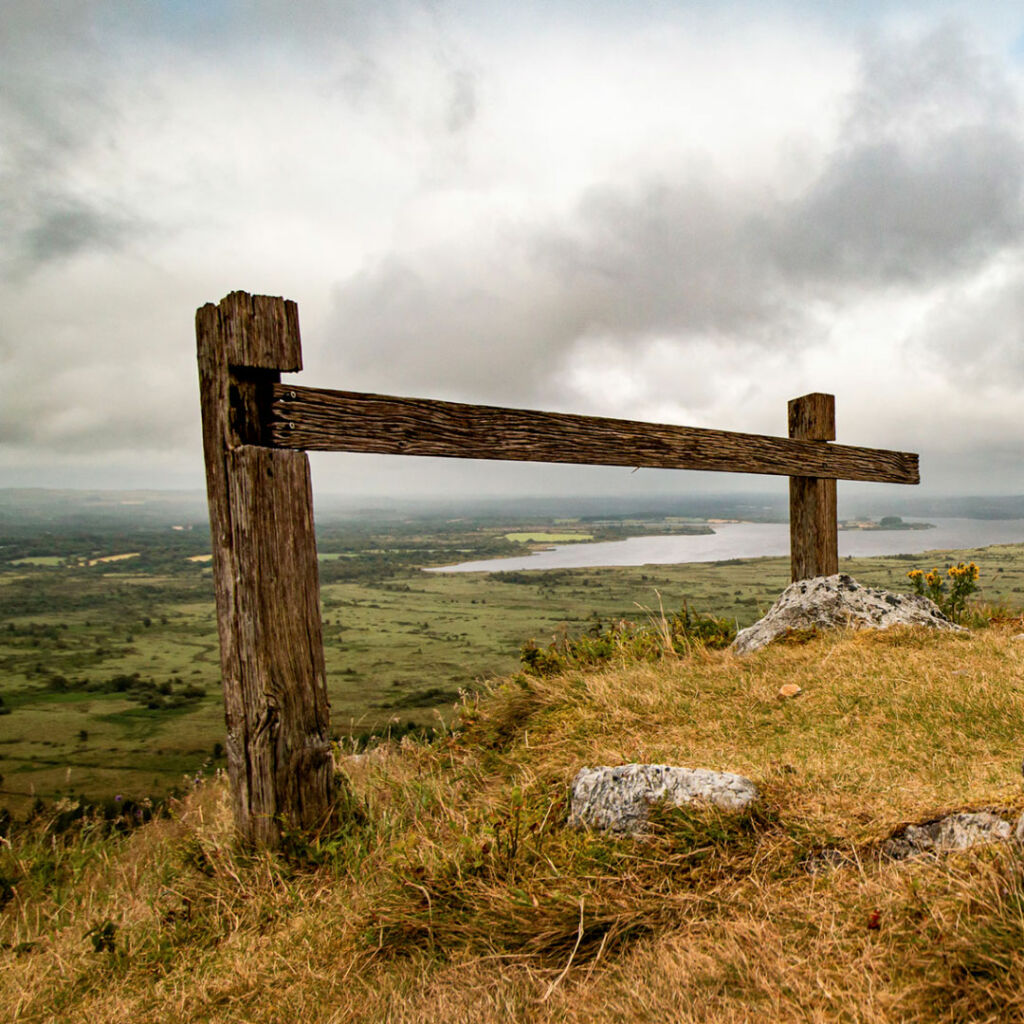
{"type": "Point", "coordinates": [151, 694]}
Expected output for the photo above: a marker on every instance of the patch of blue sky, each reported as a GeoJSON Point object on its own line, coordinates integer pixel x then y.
{"type": "Point", "coordinates": [199, 13]}
{"type": "Point", "coordinates": [1017, 49]}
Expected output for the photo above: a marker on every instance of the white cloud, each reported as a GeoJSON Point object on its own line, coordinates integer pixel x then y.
{"type": "Point", "coordinates": [665, 214]}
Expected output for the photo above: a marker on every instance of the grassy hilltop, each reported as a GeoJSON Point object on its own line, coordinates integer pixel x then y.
{"type": "Point", "coordinates": [457, 893]}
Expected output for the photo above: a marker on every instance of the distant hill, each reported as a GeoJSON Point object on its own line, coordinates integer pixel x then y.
{"type": "Point", "coordinates": [43, 507]}
{"type": "Point", "coordinates": [81, 508]}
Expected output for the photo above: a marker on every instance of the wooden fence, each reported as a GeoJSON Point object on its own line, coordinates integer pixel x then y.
{"type": "Point", "coordinates": [255, 435]}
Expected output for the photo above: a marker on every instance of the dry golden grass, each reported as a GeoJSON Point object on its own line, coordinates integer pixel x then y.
{"type": "Point", "coordinates": [457, 893]}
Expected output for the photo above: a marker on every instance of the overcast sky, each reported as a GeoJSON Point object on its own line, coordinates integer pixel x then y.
{"type": "Point", "coordinates": [686, 212]}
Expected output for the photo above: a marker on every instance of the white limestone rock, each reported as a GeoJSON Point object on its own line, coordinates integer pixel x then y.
{"type": "Point", "coordinates": [1018, 832]}
{"type": "Point", "coordinates": [828, 602]}
{"type": "Point", "coordinates": [958, 831]}
{"type": "Point", "coordinates": [619, 799]}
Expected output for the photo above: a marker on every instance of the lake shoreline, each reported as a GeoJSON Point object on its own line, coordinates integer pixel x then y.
{"type": "Point", "coordinates": [732, 541]}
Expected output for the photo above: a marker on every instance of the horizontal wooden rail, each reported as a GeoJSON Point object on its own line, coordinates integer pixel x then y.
{"type": "Point", "coordinates": [317, 419]}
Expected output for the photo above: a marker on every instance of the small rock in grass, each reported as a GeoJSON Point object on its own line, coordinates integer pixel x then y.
{"type": "Point", "coordinates": [619, 799]}
{"type": "Point", "coordinates": [944, 835]}
{"type": "Point", "coordinates": [828, 860]}
{"type": "Point", "coordinates": [959, 831]}
{"type": "Point", "coordinates": [789, 690]}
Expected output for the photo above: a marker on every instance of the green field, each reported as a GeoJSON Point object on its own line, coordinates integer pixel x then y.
{"type": "Point", "coordinates": [109, 672]}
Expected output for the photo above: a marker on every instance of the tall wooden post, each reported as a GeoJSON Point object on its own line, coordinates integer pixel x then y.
{"type": "Point", "coordinates": [813, 515]}
{"type": "Point", "coordinates": [265, 573]}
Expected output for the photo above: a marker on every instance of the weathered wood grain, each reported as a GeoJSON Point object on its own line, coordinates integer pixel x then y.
{"type": "Point", "coordinates": [265, 575]}
{"type": "Point", "coordinates": [317, 419]}
{"type": "Point", "coordinates": [813, 515]}
{"type": "Point", "coordinates": [261, 332]}
{"type": "Point", "coordinates": [813, 417]}
{"type": "Point", "coordinates": [290, 772]}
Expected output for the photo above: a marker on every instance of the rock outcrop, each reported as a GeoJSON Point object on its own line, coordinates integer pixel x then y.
{"type": "Point", "coordinates": [827, 602]}
{"type": "Point", "coordinates": [619, 799]}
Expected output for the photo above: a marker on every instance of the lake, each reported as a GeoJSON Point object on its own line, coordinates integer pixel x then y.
{"type": "Point", "coordinates": [753, 540]}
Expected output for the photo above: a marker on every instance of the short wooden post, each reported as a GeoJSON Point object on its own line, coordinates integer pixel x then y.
{"type": "Point", "coordinates": [813, 516]}
{"type": "Point", "coordinates": [265, 573]}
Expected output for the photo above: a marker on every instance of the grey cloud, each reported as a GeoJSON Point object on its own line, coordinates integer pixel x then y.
{"type": "Point", "coordinates": [931, 83]}
{"type": "Point", "coordinates": [324, 20]}
{"type": "Point", "coordinates": [30, 28]}
{"type": "Point", "coordinates": [977, 335]}
{"type": "Point", "coordinates": [909, 197]}
{"type": "Point", "coordinates": [75, 25]}
{"type": "Point", "coordinates": [497, 319]}
{"type": "Point", "coordinates": [661, 258]}
{"type": "Point", "coordinates": [48, 415]}
{"type": "Point", "coordinates": [46, 220]}
{"type": "Point", "coordinates": [928, 176]}
{"type": "Point", "coordinates": [884, 215]}
{"type": "Point", "coordinates": [923, 187]}
{"type": "Point", "coordinates": [64, 92]}
{"type": "Point", "coordinates": [360, 78]}
{"type": "Point", "coordinates": [453, 330]}
{"type": "Point", "coordinates": [70, 226]}
{"type": "Point", "coordinates": [462, 106]}
{"type": "Point", "coordinates": [15, 424]}
{"type": "Point", "coordinates": [54, 107]}
{"type": "Point", "coordinates": [372, 83]}
{"type": "Point", "coordinates": [15, 427]}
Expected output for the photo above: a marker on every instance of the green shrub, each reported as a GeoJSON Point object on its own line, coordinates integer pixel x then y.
{"type": "Point", "coordinates": [625, 640]}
